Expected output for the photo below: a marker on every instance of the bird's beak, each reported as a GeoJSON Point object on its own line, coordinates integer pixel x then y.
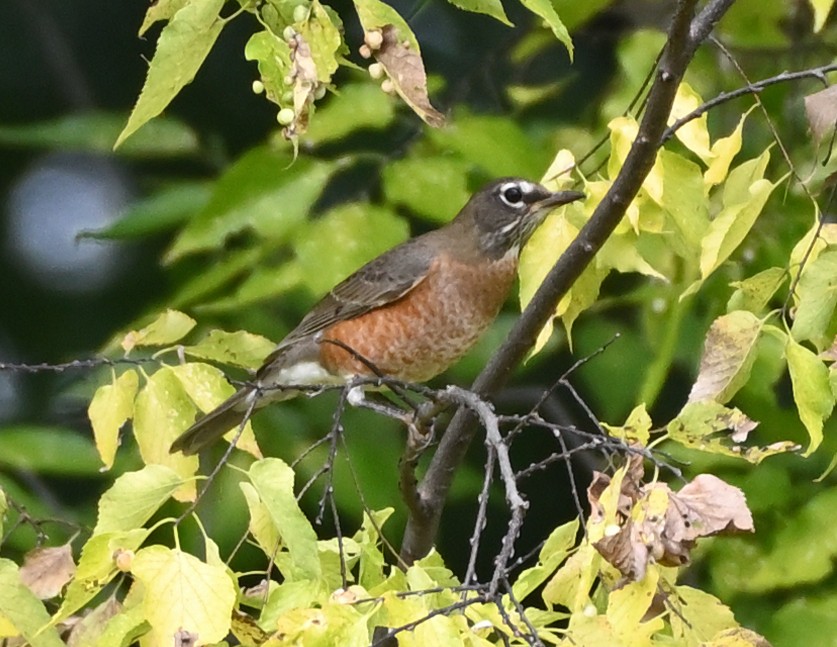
{"type": "Point", "coordinates": [558, 198]}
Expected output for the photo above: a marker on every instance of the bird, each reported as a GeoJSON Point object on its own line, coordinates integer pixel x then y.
{"type": "Point", "coordinates": [408, 314]}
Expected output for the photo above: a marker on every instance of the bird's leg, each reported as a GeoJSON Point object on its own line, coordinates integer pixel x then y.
{"type": "Point", "coordinates": [358, 397]}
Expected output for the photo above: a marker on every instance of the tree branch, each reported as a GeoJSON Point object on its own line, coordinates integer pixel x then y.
{"type": "Point", "coordinates": [685, 34]}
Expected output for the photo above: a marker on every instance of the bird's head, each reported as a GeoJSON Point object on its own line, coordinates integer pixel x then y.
{"type": "Point", "coordinates": [507, 211]}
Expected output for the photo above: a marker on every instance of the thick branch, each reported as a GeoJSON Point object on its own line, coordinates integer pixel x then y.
{"type": "Point", "coordinates": [684, 37]}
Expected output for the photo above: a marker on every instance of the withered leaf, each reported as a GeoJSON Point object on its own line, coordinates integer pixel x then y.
{"type": "Point", "coordinates": [404, 66]}
{"type": "Point", "coordinates": [46, 570]}
{"type": "Point", "coordinates": [728, 355]}
{"type": "Point", "coordinates": [92, 625]}
{"type": "Point", "coordinates": [662, 525]}
{"type": "Point", "coordinates": [821, 110]}
{"type": "Point", "coordinates": [707, 506]}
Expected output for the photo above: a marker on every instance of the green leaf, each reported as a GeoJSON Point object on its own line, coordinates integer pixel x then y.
{"type": "Point", "coordinates": [372, 563]}
{"type": "Point", "coordinates": [56, 451]}
{"type": "Point", "coordinates": [125, 628]}
{"type": "Point", "coordinates": [816, 297]}
{"type": "Point", "coordinates": [202, 284]}
{"type": "Point", "coordinates": [263, 283]}
{"type": "Point", "coordinates": [4, 508]}
{"type": "Point", "coordinates": [97, 567]}
{"type": "Point", "coordinates": [493, 8]}
{"type": "Point", "coordinates": [134, 497]}
{"type": "Point", "coordinates": [183, 45]}
{"type": "Point", "coordinates": [162, 411]}
{"type": "Point", "coordinates": [161, 10]}
{"type": "Point", "coordinates": [238, 348]}
{"type": "Point", "coordinates": [111, 407]}
{"type": "Point", "coordinates": [546, 10]}
{"type": "Point", "coordinates": [261, 524]}
{"type": "Point", "coordinates": [433, 187]}
{"type": "Point", "coordinates": [811, 390]}
{"type": "Point", "coordinates": [358, 106]}
{"type": "Point", "coordinates": [711, 427]}
{"type": "Point", "coordinates": [167, 328]}
{"type": "Point", "coordinates": [274, 481]}
{"type": "Point", "coordinates": [262, 192]}
{"type": "Point", "coordinates": [683, 201]}
{"type": "Point", "coordinates": [20, 607]}
{"type": "Point", "coordinates": [342, 240]}
{"type": "Point", "coordinates": [728, 355]}
{"type": "Point", "coordinates": [96, 131]}
{"type": "Point", "coordinates": [183, 593]}
{"type": "Point", "coordinates": [754, 293]}
{"type": "Point", "coordinates": [791, 557]}
{"type": "Point", "coordinates": [555, 550]}
{"type": "Point", "coordinates": [273, 58]}
{"type": "Point", "coordinates": [160, 212]}
{"type": "Point", "coordinates": [323, 37]}
{"type": "Point", "coordinates": [495, 144]}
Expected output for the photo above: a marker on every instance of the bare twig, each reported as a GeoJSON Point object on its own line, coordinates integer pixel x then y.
{"type": "Point", "coordinates": [751, 88]}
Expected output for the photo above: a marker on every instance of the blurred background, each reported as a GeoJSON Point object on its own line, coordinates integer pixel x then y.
{"type": "Point", "coordinates": [96, 242]}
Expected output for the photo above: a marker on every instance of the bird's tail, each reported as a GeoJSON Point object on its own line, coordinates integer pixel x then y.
{"type": "Point", "coordinates": [228, 415]}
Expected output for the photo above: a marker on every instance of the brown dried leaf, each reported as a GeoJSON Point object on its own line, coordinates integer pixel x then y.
{"type": "Point", "coordinates": [664, 525]}
{"type": "Point", "coordinates": [628, 494]}
{"type": "Point", "coordinates": [707, 506]}
{"type": "Point", "coordinates": [46, 570]}
{"type": "Point", "coordinates": [821, 110]}
{"type": "Point", "coordinates": [625, 551]}
{"type": "Point", "coordinates": [404, 66]}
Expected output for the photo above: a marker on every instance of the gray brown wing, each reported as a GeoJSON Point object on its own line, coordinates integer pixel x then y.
{"type": "Point", "coordinates": [383, 280]}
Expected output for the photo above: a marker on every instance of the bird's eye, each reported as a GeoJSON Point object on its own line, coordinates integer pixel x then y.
{"type": "Point", "coordinates": [512, 196]}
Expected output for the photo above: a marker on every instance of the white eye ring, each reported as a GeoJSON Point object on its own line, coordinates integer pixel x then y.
{"type": "Point", "coordinates": [511, 193]}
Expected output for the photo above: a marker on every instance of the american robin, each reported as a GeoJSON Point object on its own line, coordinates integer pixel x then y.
{"type": "Point", "coordinates": [408, 314]}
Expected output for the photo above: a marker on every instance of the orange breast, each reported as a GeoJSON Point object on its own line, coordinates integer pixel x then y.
{"type": "Point", "coordinates": [423, 333]}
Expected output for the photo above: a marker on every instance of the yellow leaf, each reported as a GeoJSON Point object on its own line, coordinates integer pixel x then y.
{"type": "Point", "coordinates": [208, 387]}
{"type": "Point", "coordinates": [723, 152]}
{"type": "Point", "coordinates": [168, 328]}
{"type": "Point", "coordinates": [162, 411]}
{"type": "Point", "coordinates": [694, 134]}
{"type": "Point", "coordinates": [729, 228]}
{"type": "Point", "coordinates": [559, 174]}
{"type": "Point", "coordinates": [183, 594]}
{"type": "Point", "coordinates": [623, 132]}
{"type": "Point", "coordinates": [540, 254]}
{"type": "Point", "coordinates": [627, 606]}
{"type": "Point", "coordinates": [636, 429]}
{"type": "Point", "coordinates": [821, 10]}
{"type": "Point", "coordinates": [111, 407]}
